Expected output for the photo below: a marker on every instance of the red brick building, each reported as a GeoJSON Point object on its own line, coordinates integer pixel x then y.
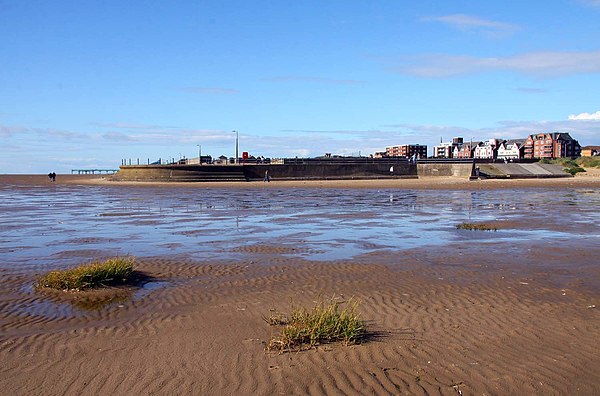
{"type": "Point", "coordinates": [551, 145]}
{"type": "Point", "coordinates": [465, 150]}
{"type": "Point", "coordinates": [406, 151]}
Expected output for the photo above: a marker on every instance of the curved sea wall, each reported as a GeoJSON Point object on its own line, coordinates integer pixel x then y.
{"type": "Point", "coordinates": [300, 171]}
{"type": "Point", "coordinates": [325, 171]}
{"type": "Point", "coordinates": [180, 173]}
{"type": "Point", "coordinates": [293, 171]}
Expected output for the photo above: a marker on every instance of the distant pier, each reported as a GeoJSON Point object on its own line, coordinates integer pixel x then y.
{"type": "Point", "coordinates": [93, 171]}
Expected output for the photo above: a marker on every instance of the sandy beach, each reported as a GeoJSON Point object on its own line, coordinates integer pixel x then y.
{"type": "Point", "coordinates": [589, 179]}
{"type": "Point", "coordinates": [446, 319]}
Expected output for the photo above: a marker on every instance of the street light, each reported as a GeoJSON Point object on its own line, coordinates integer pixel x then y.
{"type": "Point", "coordinates": [199, 154]}
{"type": "Point", "coordinates": [237, 144]}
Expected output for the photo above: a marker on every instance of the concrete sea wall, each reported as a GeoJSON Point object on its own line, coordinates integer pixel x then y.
{"type": "Point", "coordinates": [303, 170]}
{"type": "Point", "coordinates": [521, 171]}
{"type": "Point", "coordinates": [306, 171]}
{"type": "Point", "coordinates": [438, 168]}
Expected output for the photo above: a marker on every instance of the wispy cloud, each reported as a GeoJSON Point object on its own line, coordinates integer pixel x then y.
{"type": "Point", "coordinates": [117, 137]}
{"type": "Point", "coordinates": [315, 80]}
{"type": "Point", "coordinates": [7, 131]}
{"type": "Point", "coordinates": [474, 23]}
{"type": "Point", "coordinates": [127, 125]}
{"type": "Point", "coordinates": [210, 90]}
{"type": "Point", "coordinates": [73, 147]}
{"type": "Point", "coordinates": [333, 132]}
{"type": "Point", "coordinates": [530, 90]}
{"type": "Point", "coordinates": [430, 134]}
{"type": "Point", "coordinates": [53, 133]}
{"type": "Point", "coordinates": [167, 137]}
{"type": "Point", "coordinates": [317, 142]}
{"type": "Point", "coordinates": [591, 3]}
{"type": "Point", "coordinates": [585, 117]}
{"type": "Point", "coordinates": [537, 64]}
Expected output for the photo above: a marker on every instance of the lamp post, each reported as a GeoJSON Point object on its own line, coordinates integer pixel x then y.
{"type": "Point", "coordinates": [237, 144]}
{"type": "Point", "coordinates": [199, 154]}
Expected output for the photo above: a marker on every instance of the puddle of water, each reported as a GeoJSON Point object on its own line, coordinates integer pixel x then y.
{"type": "Point", "coordinates": [38, 225]}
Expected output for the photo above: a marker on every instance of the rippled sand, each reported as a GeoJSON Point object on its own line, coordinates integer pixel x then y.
{"type": "Point", "coordinates": [510, 312]}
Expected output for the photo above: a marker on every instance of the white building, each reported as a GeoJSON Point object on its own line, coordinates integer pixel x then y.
{"type": "Point", "coordinates": [511, 149]}
{"type": "Point", "coordinates": [487, 149]}
{"type": "Point", "coordinates": [446, 149]}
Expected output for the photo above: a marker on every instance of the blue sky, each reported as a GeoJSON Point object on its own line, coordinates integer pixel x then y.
{"type": "Point", "coordinates": [84, 84]}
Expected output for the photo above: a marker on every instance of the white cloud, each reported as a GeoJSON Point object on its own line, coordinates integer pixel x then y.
{"type": "Point", "coordinates": [538, 64]}
{"type": "Point", "coordinates": [470, 23]}
{"type": "Point", "coordinates": [586, 116]}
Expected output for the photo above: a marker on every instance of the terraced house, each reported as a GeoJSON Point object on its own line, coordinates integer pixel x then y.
{"type": "Point", "coordinates": [551, 145]}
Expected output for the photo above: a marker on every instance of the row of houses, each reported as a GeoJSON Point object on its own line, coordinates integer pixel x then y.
{"type": "Point", "coordinates": [541, 145]}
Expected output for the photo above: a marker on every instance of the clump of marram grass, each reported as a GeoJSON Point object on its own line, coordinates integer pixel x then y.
{"type": "Point", "coordinates": [575, 169]}
{"type": "Point", "coordinates": [475, 227]}
{"type": "Point", "coordinates": [327, 321]}
{"type": "Point", "coordinates": [113, 271]}
{"type": "Point", "coordinates": [589, 162]}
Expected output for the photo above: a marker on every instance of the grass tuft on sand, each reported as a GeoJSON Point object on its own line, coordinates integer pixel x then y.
{"type": "Point", "coordinates": [574, 170]}
{"type": "Point", "coordinates": [110, 272]}
{"type": "Point", "coordinates": [327, 321]}
{"type": "Point", "coordinates": [475, 227]}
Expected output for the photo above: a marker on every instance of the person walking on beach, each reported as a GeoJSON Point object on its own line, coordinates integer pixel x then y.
{"type": "Point", "coordinates": [52, 176]}
{"type": "Point", "coordinates": [392, 170]}
{"type": "Point", "coordinates": [267, 179]}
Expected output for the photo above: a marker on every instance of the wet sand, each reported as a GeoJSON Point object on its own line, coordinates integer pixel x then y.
{"type": "Point", "coordinates": [432, 330]}
{"type": "Point", "coordinates": [442, 320]}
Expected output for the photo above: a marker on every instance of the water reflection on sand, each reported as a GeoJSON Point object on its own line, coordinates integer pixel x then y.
{"type": "Point", "coordinates": [62, 224]}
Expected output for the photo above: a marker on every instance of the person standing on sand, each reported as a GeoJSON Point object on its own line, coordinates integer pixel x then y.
{"type": "Point", "coordinates": [267, 178]}
{"type": "Point", "coordinates": [392, 170]}
{"type": "Point", "coordinates": [52, 176]}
